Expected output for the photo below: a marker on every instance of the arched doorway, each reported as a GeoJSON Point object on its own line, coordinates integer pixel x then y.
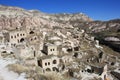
{"type": "Point", "coordinates": [31, 32]}
{"type": "Point", "coordinates": [22, 40]}
{"type": "Point", "coordinates": [55, 69]}
{"type": "Point", "coordinates": [48, 69]}
{"type": "Point", "coordinates": [54, 61]}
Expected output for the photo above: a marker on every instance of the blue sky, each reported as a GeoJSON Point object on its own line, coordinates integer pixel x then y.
{"type": "Point", "coordinates": [96, 9]}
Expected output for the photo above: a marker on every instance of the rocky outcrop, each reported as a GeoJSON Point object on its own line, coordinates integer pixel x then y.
{"type": "Point", "coordinates": [107, 32]}
{"type": "Point", "coordinates": [12, 17]}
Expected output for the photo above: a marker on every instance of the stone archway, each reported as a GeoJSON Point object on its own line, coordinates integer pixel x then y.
{"type": "Point", "coordinates": [54, 61]}
{"type": "Point", "coordinates": [22, 40]}
{"type": "Point", "coordinates": [31, 32]}
{"type": "Point", "coordinates": [48, 69]}
{"type": "Point", "coordinates": [55, 69]}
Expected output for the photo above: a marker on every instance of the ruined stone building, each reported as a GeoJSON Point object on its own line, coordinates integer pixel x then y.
{"type": "Point", "coordinates": [49, 61]}
{"type": "Point", "coordinates": [50, 49]}
{"type": "Point", "coordinates": [33, 39]}
{"type": "Point", "coordinates": [15, 36]}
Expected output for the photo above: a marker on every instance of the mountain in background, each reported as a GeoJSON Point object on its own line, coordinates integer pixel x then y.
{"type": "Point", "coordinates": [12, 17]}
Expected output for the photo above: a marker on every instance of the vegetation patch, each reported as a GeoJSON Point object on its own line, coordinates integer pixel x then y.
{"type": "Point", "coordinates": [18, 68]}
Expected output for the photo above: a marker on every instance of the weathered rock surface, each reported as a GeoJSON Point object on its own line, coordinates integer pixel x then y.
{"type": "Point", "coordinates": [12, 17]}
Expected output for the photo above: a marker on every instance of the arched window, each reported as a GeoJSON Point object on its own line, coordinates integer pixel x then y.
{"type": "Point", "coordinates": [11, 36]}
{"type": "Point", "coordinates": [48, 63]}
{"type": "Point", "coordinates": [35, 38]}
{"type": "Point", "coordinates": [17, 34]}
{"type": "Point", "coordinates": [45, 64]}
{"type": "Point", "coordinates": [50, 49]}
{"type": "Point", "coordinates": [54, 62]}
{"type": "Point", "coordinates": [53, 49]}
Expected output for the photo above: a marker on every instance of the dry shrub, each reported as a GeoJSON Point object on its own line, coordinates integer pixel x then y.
{"type": "Point", "coordinates": [37, 74]}
{"type": "Point", "coordinates": [38, 69]}
{"type": "Point", "coordinates": [17, 68]}
{"type": "Point", "coordinates": [55, 76]}
{"type": "Point", "coordinates": [40, 77]}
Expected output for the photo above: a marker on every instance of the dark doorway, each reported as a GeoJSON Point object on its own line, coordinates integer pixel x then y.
{"type": "Point", "coordinates": [48, 69]}
{"type": "Point", "coordinates": [55, 69]}
{"type": "Point", "coordinates": [34, 54]}
{"type": "Point", "coordinates": [31, 32]}
{"type": "Point", "coordinates": [22, 40]}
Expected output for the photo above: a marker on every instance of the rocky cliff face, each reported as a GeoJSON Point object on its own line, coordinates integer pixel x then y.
{"type": "Point", "coordinates": [12, 17]}
{"type": "Point", "coordinates": [107, 32]}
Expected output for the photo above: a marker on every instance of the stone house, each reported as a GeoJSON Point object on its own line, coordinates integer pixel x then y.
{"type": "Point", "coordinates": [49, 63]}
{"type": "Point", "coordinates": [15, 36]}
{"type": "Point", "coordinates": [33, 39]}
{"type": "Point", "coordinates": [50, 49]}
